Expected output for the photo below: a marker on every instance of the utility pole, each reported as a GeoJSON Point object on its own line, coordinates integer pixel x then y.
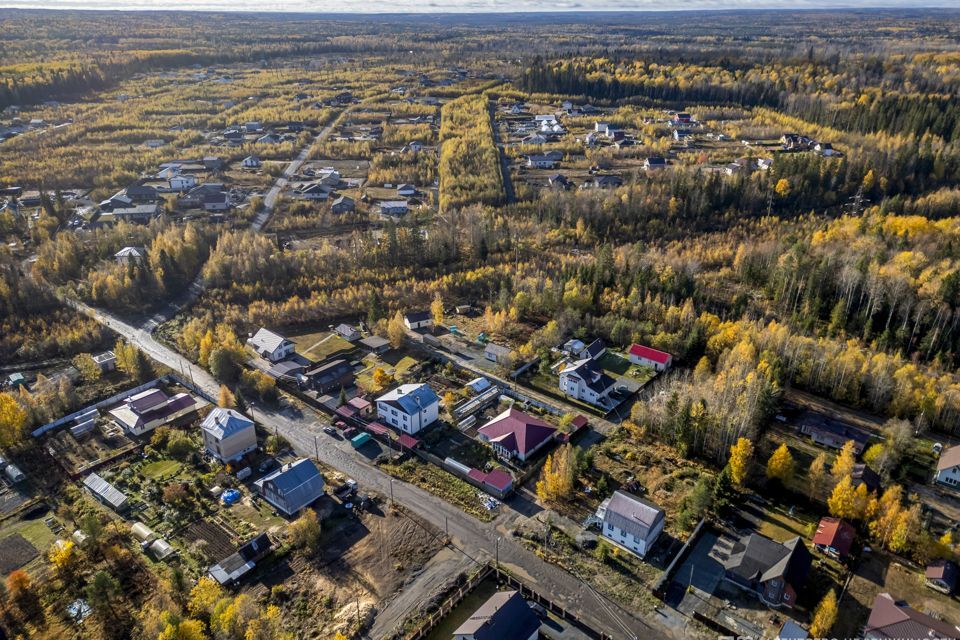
{"type": "Point", "coordinates": [316, 448]}
{"type": "Point", "coordinates": [391, 492]}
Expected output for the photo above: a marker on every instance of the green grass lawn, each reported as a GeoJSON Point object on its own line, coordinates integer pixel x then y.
{"type": "Point", "coordinates": [35, 532]}
{"type": "Point", "coordinates": [320, 345]}
{"type": "Point", "coordinates": [161, 469]}
{"type": "Point", "coordinates": [781, 527]}
{"type": "Point", "coordinates": [404, 366]}
{"type": "Point", "coordinates": [614, 363]}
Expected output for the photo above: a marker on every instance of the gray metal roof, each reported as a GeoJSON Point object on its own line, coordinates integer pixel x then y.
{"type": "Point", "coordinates": [105, 491]}
{"type": "Point", "coordinates": [505, 616]}
{"type": "Point", "coordinates": [222, 423]}
{"type": "Point", "coordinates": [298, 484]}
{"type": "Point", "coordinates": [632, 514]}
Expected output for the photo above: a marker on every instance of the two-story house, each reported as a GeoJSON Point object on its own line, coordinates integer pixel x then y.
{"type": "Point", "coordinates": [409, 408]}
{"type": "Point", "coordinates": [585, 381]}
{"type": "Point", "coordinates": [630, 521]}
{"type": "Point", "coordinates": [228, 435]}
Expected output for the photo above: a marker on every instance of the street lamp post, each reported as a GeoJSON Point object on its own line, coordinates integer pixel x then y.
{"type": "Point", "coordinates": [391, 492]}
{"type": "Point", "coordinates": [498, 554]}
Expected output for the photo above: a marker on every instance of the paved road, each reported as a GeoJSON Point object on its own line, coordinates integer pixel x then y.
{"type": "Point", "coordinates": [479, 541]}
{"type": "Point", "coordinates": [259, 222]}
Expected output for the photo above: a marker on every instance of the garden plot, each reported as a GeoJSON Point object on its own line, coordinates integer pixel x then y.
{"type": "Point", "coordinates": [78, 454]}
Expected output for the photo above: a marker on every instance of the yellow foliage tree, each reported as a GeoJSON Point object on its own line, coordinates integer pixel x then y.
{"type": "Point", "coordinates": [741, 454]}
{"type": "Point", "coordinates": [396, 330]}
{"type": "Point", "coordinates": [843, 501]}
{"type": "Point", "coordinates": [559, 472]}
{"type": "Point", "coordinates": [824, 616]}
{"type": "Point", "coordinates": [783, 187]}
{"type": "Point", "coordinates": [781, 465]}
{"type": "Point", "coordinates": [13, 420]}
{"type": "Point", "coordinates": [816, 474]}
{"type": "Point", "coordinates": [226, 399]}
{"type": "Point", "coordinates": [846, 459]}
{"type": "Point", "coordinates": [63, 557]}
{"type": "Point", "coordinates": [436, 310]}
{"type": "Point", "coordinates": [381, 377]}
{"type": "Point", "coordinates": [187, 629]}
{"type": "Point", "coordinates": [204, 596]}
{"type": "Point", "coordinates": [886, 514]}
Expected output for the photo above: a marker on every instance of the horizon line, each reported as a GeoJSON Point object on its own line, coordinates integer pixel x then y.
{"type": "Point", "coordinates": [948, 7]}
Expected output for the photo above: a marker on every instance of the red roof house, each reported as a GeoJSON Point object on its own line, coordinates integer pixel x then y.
{"type": "Point", "coordinates": [362, 406]}
{"type": "Point", "coordinates": [650, 357]}
{"type": "Point", "coordinates": [407, 441]}
{"type": "Point", "coordinates": [500, 480]}
{"type": "Point", "coordinates": [514, 434]}
{"type": "Point", "coordinates": [834, 537]}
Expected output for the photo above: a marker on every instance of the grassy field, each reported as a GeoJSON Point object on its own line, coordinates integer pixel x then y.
{"type": "Point", "coordinates": [403, 367]}
{"type": "Point", "coordinates": [320, 345]}
{"type": "Point", "coordinates": [161, 469]}
{"type": "Point", "coordinates": [441, 484]}
{"type": "Point", "coordinates": [782, 527]}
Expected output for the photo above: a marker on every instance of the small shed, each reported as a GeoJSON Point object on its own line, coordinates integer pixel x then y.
{"type": "Point", "coordinates": [106, 493]}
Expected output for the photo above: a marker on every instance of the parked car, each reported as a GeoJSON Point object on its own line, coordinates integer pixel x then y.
{"type": "Point", "coordinates": [330, 431]}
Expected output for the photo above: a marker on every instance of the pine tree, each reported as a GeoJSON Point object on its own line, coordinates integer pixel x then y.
{"type": "Point", "coordinates": [724, 490]}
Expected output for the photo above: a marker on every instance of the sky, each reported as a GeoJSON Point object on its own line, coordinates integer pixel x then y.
{"type": "Point", "coordinates": [461, 6]}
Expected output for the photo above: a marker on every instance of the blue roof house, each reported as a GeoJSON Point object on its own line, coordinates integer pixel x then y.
{"type": "Point", "coordinates": [292, 487]}
{"type": "Point", "coordinates": [409, 408]}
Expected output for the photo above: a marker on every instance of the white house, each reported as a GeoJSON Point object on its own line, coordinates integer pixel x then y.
{"type": "Point", "coordinates": [409, 407]}
{"type": "Point", "coordinates": [406, 190]}
{"type": "Point", "coordinates": [130, 255]}
{"type": "Point", "coordinates": [649, 357]}
{"type": "Point", "coordinates": [542, 162]}
{"type": "Point", "coordinates": [630, 522]}
{"type": "Point", "coordinates": [825, 149]}
{"type": "Point", "coordinates": [654, 162]}
{"type": "Point", "coordinates": [585, 381]}
{"type": "Point", "coordinates": [948, 467]}
{"type": "Point", "coordinates": [182, 182]}
{"type": "Point", "coordinates": [418, 320]}
{"type": "Point", "coordinates": [271, 346]}
{"type": "Point", "coordinates": [228, 434]}
{"type": "Point", "coordinates": [252, 162]}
